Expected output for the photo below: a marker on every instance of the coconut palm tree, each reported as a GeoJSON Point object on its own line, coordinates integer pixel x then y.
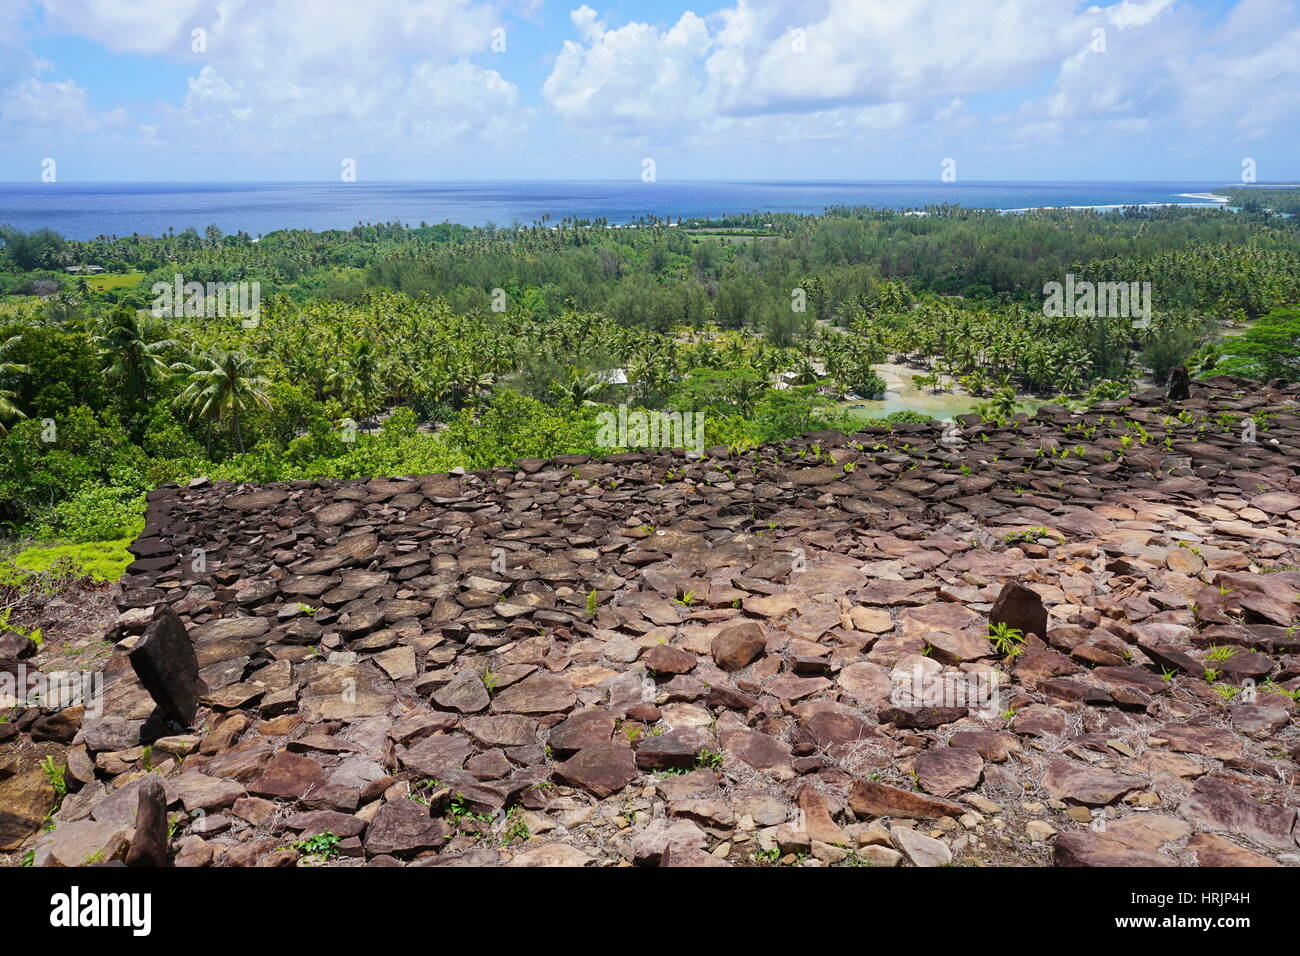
{"type": "Point", "coordinates": [892, 297]}
{"type": "Point", "coordinates": [1000, 408]}
{"type": "Point", "coordinates": [977, 382]}
{"type": "Point", "coordinates": [8, 409]}
{"type": "Point", "coordinates": [579, 388]}
{"type": "Point", "coordinates": [222, 385]}
{"type": "Point", "coordinates": [468, 383]}
{"type": "Point", "coordinates": [357, 378]}
{"type": "Point", "coordinates": [746, 392]}
{"type": "Point", "coordinates": [130, 357]}
{"type": "Point", "coordinates": [805, 373]}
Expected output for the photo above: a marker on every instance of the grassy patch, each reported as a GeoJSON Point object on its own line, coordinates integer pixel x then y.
{"type": "Point", "coordinates": [115, 280]}
{"type": "Point", "coordinates": [102, 560]}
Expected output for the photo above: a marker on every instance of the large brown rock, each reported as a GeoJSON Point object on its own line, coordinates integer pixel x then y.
{"type": "Point", "coordinates": [994, 746]}
{"type": "Point", "coordinates": [1220, 805]}
{"type": "Point", "coordinates": [1213, 850]}
{"type": "Point", "coordinates": [538, 694]}
{"type": "Point", "coordinates": [677, 749]}
{"type": "Point", "coordinates": [402, 827]}
{"type": "Point", "coordinates": [738, 646]}
{"type": "Point", "coordinates": [580, 731]}
{"type": "Point", "coordinates": [1089, 848]}
{"type": "Point", "coordinates": [550, 855]}
{"type": "Point", "coordinates": [946, 771]}
{"type": "Point", "coordinates": [149, 840]}
{"type": "Point", "coordinates": [663, 659]}
{"type": "Point", "coordinates": [82, 843]}
{"type": "Point", "coordinates": [920, 718]}
{"type": "Point", "coordinates": [867, 683]}
{"type": "Point", "coordinates": [1207, 741]}
{"type": "Point", "coordinates": [25, 799]}
{"type": "Point", "coordinates": [760, 751]}
{"type": "Point", "coordinates": [198, 791]}
{"type": "Point", "coordinates": [288, 776]}
{"type": "Point", "coordinates": [1020, 608]}
{"type": "Point", "coordinates": [507, 730]}
{"type": "Point", "coordinates": [600, 770]}
{"type": "Point", "coordinates": [1077, 783]}
{"type": "Point", "coordinates": [16, 647]}
{"type": "Point", "coordinates": [167, 666]}
{"type": "Point", "coordinates": [434, 756]}
{"type": "Point", "coordinates": [465, 693]}
{"type": "Point", "coordinates": [869, 798]}
{"type": "Point", "coordinates": [688, 856]}
{"type": "Point", "coordinates": [817, 820]}
{"type": "Point", "coordinates": [843, 734]}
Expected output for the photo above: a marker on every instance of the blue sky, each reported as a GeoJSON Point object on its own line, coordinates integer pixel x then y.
{"type": "Point", "coordinates": [202, 90]}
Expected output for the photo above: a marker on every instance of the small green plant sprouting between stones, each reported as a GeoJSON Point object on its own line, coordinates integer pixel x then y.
{"type": "Point", "coordinates": [686, 600]}
{"type": "Point", "coordinates": [516, 828]}
{"type": "Point", "coordinates": [457, 810]}
{"type": "Point", "coordinates": [489, 680]}
{"type": "Point", "coordinates": [1217, 655]}
{"type": "Point", "coordinates": [1168, 674]}
{"type": "Point", "coordinates": [1226, 691]}
{"type": "Point", "coordinates": [593, 603]}
{"type": "Point", "coordinates": [54, 774]}
{"type": "Point", "coordinates": [324, 845]}
{"type": "Point", "coordinates": [1029, 535]}
{"type": "Point", "coordinates": [708, 759]}
{"type": "Point", "coordinates": [1007, 639]}
{"type": "Point", "coordinates": [1272, 687]}
{"type": "Point", "coordinates": [422, 792]}
{"type": "Point", "coordinates": [307, 609]}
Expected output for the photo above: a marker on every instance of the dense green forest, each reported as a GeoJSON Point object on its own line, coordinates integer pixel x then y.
{"type": "Point", "coordinates": [385, 350]}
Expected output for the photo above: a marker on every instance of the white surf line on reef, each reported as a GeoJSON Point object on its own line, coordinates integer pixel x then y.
{"type": "Point", "coordinates": [1216, 204]}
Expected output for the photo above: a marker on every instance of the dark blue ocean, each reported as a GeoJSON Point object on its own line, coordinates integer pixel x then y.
{"type": "Point", "coordinates": [87, 210]}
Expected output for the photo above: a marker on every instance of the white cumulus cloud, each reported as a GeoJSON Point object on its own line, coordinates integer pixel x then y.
{"type": "Point", "coordinates": [275, 75]}
{"type": "Point", "coordinates": [849, 69]}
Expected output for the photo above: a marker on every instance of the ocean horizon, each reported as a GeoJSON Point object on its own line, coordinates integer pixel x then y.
{"type": "Point", "coordinates": [86, 210]}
